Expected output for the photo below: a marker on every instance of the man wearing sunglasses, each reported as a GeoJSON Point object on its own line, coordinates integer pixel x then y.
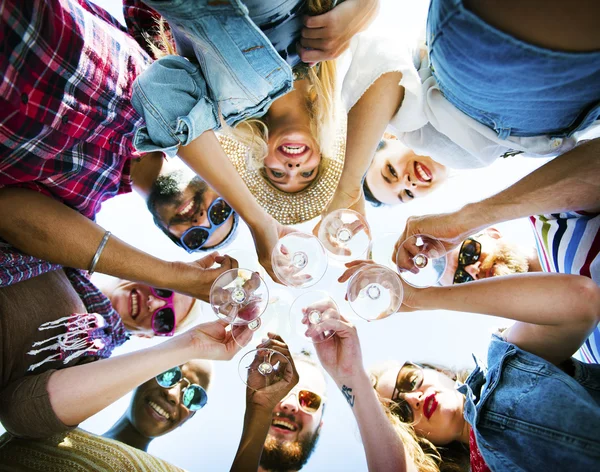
{"type": "Point", "coordinates": [488, 254]}
{"type": "Point", "coordinates": [297, 420]}
{"type": "Point", "coordinates": [163, 403]}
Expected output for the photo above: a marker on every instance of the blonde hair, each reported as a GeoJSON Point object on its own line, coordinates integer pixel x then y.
{"type": "Point", "coordinates": [321, 100]}
{"type": "Point", "coordinates": [426, 456]}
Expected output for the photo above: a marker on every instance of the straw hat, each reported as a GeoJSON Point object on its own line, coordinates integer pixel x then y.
{"type": "Point", "coordinates": [290, 208]}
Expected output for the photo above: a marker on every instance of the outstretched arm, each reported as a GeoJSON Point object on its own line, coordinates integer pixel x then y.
{"type": "Point", "coordinates": [341, 357]}
{"type": "Point", "coordinates": [47, 229]}
{"type": "Point", "coordinates": [367, 121]}
{"type": "Point", "coordinates": [571, 182]}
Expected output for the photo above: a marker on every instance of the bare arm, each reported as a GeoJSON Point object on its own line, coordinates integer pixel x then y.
{"type": "Point", "coordinates": [367, 121]}
{"type": "Point", "coordinates": [45, 228]}
{"type": "Point", "coordinates": [571, 182]}
{"type": "Point", "coordinates": [78, 392]}
{"type": "Point", "coordinates": [554, 312]}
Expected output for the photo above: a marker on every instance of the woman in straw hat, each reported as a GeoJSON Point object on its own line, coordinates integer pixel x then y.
{"type": "Point", "coordinates": [228, 73]}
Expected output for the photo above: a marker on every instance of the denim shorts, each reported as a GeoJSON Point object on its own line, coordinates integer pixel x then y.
{"type": "Point", "coordinates": [513, 87]}
{"type": "Point", "coordinates": [529, 415]}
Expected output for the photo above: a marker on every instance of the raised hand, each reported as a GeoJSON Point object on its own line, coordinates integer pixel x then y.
{"type": "Point", "coordinates": [196, 278]}
{"type": "Point", "coordinates": [265, 237]}
{"type": "Point", "coordinates": [326, 36]}
{"type": "Point", "coordinates": [266, 392]}
{"type": "Point", "coordinates": [214, 341]}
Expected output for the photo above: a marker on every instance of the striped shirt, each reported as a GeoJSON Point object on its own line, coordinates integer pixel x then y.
{"type": "Point", "coordinates": [569, 243]}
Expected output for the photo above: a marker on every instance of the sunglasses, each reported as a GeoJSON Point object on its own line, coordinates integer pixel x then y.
{"type": "Point", "coordinates": [470, 252]}
{"type": "Point", "coordinates": [194, 396]}
{"type": "Point", "coordinates": [309, 402]}
{"type": "Point", "coordinates": [195, 237]}
{"type": "Point", "coordinates": [409, 379]}
{"type": "Point", "coordinates": [163, 319]}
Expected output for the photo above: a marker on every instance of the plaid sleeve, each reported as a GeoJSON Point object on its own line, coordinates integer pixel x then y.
{"type": "Point", "coordinates": [141, 20]}
{"type": "Point", "coordinates": [102, 14]}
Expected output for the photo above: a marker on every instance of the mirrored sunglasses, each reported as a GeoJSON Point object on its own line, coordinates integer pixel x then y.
{"type": "Point", "coordinates": [195, 237]}
{"type": "Point", "coordinates": [309, 402]}
{"type": "Point", "coordinates": [470, 252]}
{"type": "Point", "coordinates": [194, 397]}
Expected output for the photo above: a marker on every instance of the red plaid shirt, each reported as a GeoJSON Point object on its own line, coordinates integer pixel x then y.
{"type": "Point", "coordinates": [66, 121]}
{"type": "Point", "coordinates": [67, 124]}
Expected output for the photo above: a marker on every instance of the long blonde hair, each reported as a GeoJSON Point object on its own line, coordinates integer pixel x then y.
{"type": "Point", "coordinates": [426, 456]}
{"type": "Point", "coordinates": [321, 101]}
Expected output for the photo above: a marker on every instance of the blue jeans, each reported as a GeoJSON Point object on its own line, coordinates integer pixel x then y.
{"type": "Point", "coordinates": [529, 415]}
{"type": "Point", "coordinates": [234, 72]}
{"type": "Point", "coordinates": [513, 87]}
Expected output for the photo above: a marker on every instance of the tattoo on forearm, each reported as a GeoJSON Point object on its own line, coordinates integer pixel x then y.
{"type": "Point", "coordinates": [347, 392]}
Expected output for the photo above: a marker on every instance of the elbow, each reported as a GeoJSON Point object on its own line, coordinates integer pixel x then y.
{"type": "Point", "coordinates": [588, 296]}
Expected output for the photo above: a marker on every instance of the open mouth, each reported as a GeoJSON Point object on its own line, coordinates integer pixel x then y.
{"type": "Point", "coordinates": [293, 150]}
{"type": "Point", "coordinates": [187, 210]}
{"type": "Point", "coordinates": [160, 413]}
{"type": "Point", "coordinates": [134, 304]}
{"type": "Point", "coordinates": [281, 424]}
{"type": "Point", "coordinates": [430, 406]}
{"type": "Point", "coordinates": [422, 172]}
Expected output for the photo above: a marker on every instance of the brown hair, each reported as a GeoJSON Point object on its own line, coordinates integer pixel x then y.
{"type": "Point", "coordinates": [453, 457]}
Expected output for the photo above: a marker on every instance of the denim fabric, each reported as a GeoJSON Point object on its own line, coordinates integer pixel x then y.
{"type": "Point", "coordinates": [529, 415]}
{"type": "Point", "coordinates": [513, 87]}
{"type": "Point", "coordinates": [233, 71]}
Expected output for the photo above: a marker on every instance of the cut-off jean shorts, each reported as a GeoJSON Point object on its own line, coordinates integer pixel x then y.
{"type": "Point", "coordinates": [513, 87]}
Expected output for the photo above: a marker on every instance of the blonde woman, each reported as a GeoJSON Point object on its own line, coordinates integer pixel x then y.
{"type": "Point", "coordinates": [228, 71]}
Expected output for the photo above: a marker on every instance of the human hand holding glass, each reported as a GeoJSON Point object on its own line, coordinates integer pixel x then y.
{"type": "Point", "coordinates": [299, 260]}
{"type": "Point", "coordinates": [345, 234]}
{"type": "Point", "coordinates": [311, 315]}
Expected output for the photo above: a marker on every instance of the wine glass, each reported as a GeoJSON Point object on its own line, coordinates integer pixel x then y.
{"type": "Point", "coordinates": [239, 296]}
{"type": "Point", "coordinates": [263, 367]}
{"type": "Point", "coordinates": [311, 315]}
{"type": "Point", "coordinates": [345, 234]}
{"type": "Point", "coordinates": [299, 260]}
{"type": "Point", "coordinates": [273, 320]}
{"type": "Point", "coordinates": [374, 292]}
{"type": "Point", "coordinates": [425, 263]}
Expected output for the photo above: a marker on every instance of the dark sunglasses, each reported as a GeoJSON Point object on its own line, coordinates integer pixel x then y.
{"type": "Point", "coordinates": [195, 237]}
{"type": "Point", "coordinates": [470, 252]}
{"type": "Point", "coordinates": [309, 402]}
{"type": "Point", "coordinates": [163, 319]}
{"type": "Point", "coordinates": [409, 379]}
{"type": "Point", "coordinates": [194, 396]}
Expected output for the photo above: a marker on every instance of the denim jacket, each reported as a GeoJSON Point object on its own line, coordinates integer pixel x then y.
{"type": "Point", "coordinates": [529, 415]}
{"type": "Point", "coordinates": [234, 72]}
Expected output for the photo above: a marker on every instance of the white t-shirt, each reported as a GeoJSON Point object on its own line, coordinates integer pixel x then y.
{"type": "Point", "coordinates": [426, 122]}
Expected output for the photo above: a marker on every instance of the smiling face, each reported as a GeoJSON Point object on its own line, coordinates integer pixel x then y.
{"type": "Point", "coordinates": [398, 175]}
{"type": "Point", "coordinates": [136, 304]}
{"type": "Point", "coordinates": [436, 405]}
{"type": "Point", "coordinates": [293, 433]}
{"type": "Point", "coordinates": [498, 257]}
{"type": "Point", "coordinates": [155, 410]}
{"type": "Point", "coordinates": [179, 200]}
{"type": "Point", "coordinates": [293, 155]}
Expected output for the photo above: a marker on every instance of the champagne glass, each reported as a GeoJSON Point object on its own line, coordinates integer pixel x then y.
{"type": "Point", "coordinates": [263, 367]}
{"type": "Point", "coordinates": [299, 260]}
{"type": "Point", "coordinates": [421, 260]}
{"type": "Point", "coordinates": [273, 320]}
{"type": "Point", "coordinates": [239, 296]}
{"type": "Point", "coordinates": [311, 315]}
{"type": "Point", "coordinates": [345, 234]}
{"type": "Point", "coordinates": [374, 292]}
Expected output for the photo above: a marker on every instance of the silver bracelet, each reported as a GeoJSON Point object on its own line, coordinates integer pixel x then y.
{"type": "Point", "coordinates": [98, 252]}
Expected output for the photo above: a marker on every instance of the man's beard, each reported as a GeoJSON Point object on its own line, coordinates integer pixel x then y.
{"type": "Point", "coordinates": [281, 456]}
{"type": "Point", "coordinates": [168, 189]}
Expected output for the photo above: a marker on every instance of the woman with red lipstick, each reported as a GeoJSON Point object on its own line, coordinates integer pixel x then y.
{"type": "Point", "coordinates": [533, 407]}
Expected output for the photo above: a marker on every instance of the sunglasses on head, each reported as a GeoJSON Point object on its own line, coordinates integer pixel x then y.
{"type": "Point", "coordinates": [163, 319]}
{"type": "Point", "coordinates": [409, 379]}
{"type": "Point", "coordinates": [195, 237]}
{"type": "Point", "coordinates": [309, 402]}
{"type": "Point", "coordinates": [470, 252]}
{"type": "Point", "coordinates": [194, 396]}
